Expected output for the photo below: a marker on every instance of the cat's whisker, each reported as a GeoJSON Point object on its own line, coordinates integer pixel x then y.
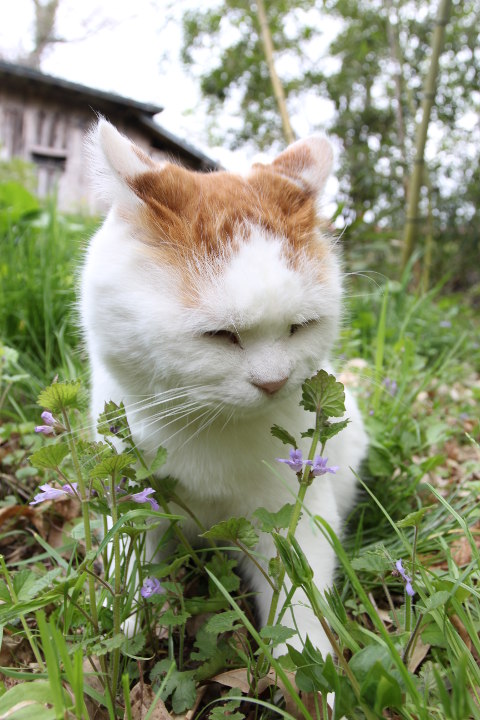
{"type": "Point", "coordinates": [149, 401]}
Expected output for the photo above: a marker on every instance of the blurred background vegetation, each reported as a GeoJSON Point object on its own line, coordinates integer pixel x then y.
{"type": "Point", "coordinates": [369, 80]}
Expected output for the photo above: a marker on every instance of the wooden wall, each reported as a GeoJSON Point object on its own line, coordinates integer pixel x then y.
{"type": "Point", "coordinates": [51, 134]}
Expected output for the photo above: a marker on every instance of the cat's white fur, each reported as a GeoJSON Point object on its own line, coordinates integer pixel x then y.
{"type": "Point", "coordinates": [144, 340]}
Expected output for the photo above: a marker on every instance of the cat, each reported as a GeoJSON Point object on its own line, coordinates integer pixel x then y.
{"type": "Point", "coordinates": [206, 301]}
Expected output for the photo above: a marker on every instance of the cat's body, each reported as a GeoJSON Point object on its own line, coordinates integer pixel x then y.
{"type": "Point", "coordinates": [206, 301]}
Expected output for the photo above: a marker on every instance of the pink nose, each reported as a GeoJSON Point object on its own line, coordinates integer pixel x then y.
{"type": "Point", "coordinates": [271, 387]}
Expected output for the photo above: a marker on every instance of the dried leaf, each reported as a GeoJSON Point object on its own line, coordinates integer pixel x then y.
{"type": "Point", "coordinates": [309, 702]}
{"type": "Point", "coordinates": [240, 678]}
{"type": "Point", "coordinates": [418, 655]}
{"type": "Point", "coordinates": [142, 698]}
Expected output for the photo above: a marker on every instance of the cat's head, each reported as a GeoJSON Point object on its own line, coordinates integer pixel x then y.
{"type": "Point", "coordinates": [222, 283]}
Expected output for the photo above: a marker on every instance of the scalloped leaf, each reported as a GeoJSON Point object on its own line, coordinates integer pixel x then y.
{"type": "Point", "coordinates": [323, 393]}
{"type": "Point", "coordinates": [49, 456]}
{"type": "Point", "coordinates": [114, 465]}
{"type": "Point", "coordinates": [274, 521]}
{"type": "Point", "coordinates": [236, 530]}
{"type": "Point", "coordinates": [62, 396]}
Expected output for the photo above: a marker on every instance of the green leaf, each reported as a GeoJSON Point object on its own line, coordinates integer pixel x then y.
{"type": "Point", "coordinates": [160, 459]}
{"type": "Point", "coordinates": [223, 569]}
{"type": "Point", "coordinates": [235, 530]}
{"type": "Point", "coordinates": [329, 430]}
{"type": "Point", "coordinates": [374, 561]}
{"type": "Point", "coordinates": [133, 645]}
{"type": "Point", "coordinates": [278, 634]}
{"type": "Point", "coordinates": [207, 644]}
{"type": "Point", "coordinates": [171, 619]}
{"type": "Point", "coordinates": [414, 519]}
{"type": "Point", "coordinates": [49, 456]}
{"type": "Point", "coordinates": [107, 645]}
{"type": "Point", "coordinates": [31, 700]}
{"type": "Point", "coordinates": [112, 466]}
{"type": "Point", "coordinates": [61, 396]}
{"type": "Point", "coordinates": [223, 622]}
{"type": "Point", "coordinates": [180, 685]}
{"type": "Point", "coordinates": [89, 453]}
{"type": "Point", "coordinates": [274, 521]}
{"type": "Point", "coordinates": [283, 435]}
{"type": "Point", "coordinates": [322, 393]}
{"type": "Point", "coordinates": [440, 598]}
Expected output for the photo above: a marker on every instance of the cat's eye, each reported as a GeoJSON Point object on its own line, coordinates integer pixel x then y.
{"type": "Point", "coordinates": [227, 335]}
{"type": "Point", "coordinates": [298, 326]}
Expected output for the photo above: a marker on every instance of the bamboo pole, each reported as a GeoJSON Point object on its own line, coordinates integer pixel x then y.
{"type": "Point", "coordinates": [416, 178]}
{"type": "Point", "coordinates": [276, 84]}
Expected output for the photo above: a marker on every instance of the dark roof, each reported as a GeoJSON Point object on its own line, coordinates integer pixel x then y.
{"type": "Point", "coordinates": [105, 103]}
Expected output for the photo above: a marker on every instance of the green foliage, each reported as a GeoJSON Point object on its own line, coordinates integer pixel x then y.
{"type": "Point", "coordinates": [417, 382]}
{"type": "Point", "coordinates": [235, 530]}
{"type": "Point", "coordinates": [39, 249]}
{"type": "Point", "coordinates": [371, 64]}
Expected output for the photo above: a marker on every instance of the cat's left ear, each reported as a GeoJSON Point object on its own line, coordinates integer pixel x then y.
{"type": "Point", "coordinates": [307, 162]}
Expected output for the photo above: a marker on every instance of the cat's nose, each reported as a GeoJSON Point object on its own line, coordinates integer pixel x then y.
{"type": "Point", "coordinates": [272, 386]}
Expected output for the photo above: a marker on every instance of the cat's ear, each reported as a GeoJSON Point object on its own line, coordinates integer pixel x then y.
{"type": "Point", "coordinates": [307, 162]}
{"type": "Point", "coordinates": [115, 162]}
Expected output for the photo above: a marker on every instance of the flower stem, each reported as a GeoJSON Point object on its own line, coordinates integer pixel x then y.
{"type": "Point", "coordinates": [117, 595]}
{"type": "Point", "coordinates": [305, 481]}
{"type": "Point", "coordinates": [85, 514]}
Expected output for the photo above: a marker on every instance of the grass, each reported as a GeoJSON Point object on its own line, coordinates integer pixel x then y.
{"type": "Point", "coordinates": [413, 361]}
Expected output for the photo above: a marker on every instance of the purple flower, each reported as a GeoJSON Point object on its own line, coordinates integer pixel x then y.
{"type": "Point", "coordinates": [45, 429]}
{"type": "Point", "coordinates": [151, 586]}
{"type": "Point", "coordinates": [391, 385]}
{"type": "Point", "coordinates": [319, 466]}
{"type": "Point", "coordinates": [143, 496]}
{"type": "Point", "coordinates": [51, 424]}
{"type": "Point", "coordinates": [50, 493]}
{"type": "Point", "coordinates": [295, 462]}
{"type": "Point", "coordinates": [408, 580]}
{"type": "Point", "coordinates": [445, 324]}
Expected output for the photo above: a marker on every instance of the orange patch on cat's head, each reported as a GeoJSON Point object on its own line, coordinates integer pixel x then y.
{"type": "Point", "coordinates": [187, 217]}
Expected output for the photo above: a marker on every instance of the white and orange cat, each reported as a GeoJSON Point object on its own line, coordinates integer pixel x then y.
{"type": "Point", "coordinates": [206, 301]}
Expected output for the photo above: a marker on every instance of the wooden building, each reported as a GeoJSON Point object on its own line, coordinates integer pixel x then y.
{"type": "Point", "coordinates": [43, 120]}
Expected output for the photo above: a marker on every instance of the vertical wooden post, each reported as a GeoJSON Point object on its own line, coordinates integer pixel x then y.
{"type": "Point", "coordinates": [276, 84]}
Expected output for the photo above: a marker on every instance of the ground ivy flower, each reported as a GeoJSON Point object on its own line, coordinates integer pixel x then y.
{"type": "Point", "coordinates": [51, 493]}
{"type": "Point", "coordinates": [151, 586]}
{"type": "Point", "coordinates": [143, 496]}
{"type": "Point", "coordinates": [295, 461]}
{"type": "Point", "coordinates": [44, 429]}
{"type": "Point", "coordinates": [319, 466]}
{"type": "Point", "coordinates": [408, 580]}
{"type": "Point", "coordinates": [51, 424]}
{"type": "Point", "coordinates": [391, 386]}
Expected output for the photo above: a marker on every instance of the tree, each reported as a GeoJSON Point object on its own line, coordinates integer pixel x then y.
{"type": "Point", "coordinates": [238, 74]}
{"type": "Point", "coordinates": [373, 73]}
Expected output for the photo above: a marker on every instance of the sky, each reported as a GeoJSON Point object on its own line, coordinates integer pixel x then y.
{"type": "Point", "coordinates": [132, 47]}
{"type": "Point", "coordinates": [129, 47]}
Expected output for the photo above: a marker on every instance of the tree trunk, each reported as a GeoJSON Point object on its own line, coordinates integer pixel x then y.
{"type": "Point", "coordinates": [276, 84]}
{"type": "Point", "coordinates": [416, 179]}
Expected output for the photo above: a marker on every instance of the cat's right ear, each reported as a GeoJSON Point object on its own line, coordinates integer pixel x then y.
{"type": "Point", "coordinates": [115, 161]}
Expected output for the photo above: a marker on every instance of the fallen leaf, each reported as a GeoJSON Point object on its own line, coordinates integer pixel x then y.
{"type": "Point", "coordinates": [241, 679]}
{"type": "Point", "coordinates": [142, 697]}
{"type": "Point", "coordinates": [309, 702]}
{"type": "Point", "coordinates": [418, 655]}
